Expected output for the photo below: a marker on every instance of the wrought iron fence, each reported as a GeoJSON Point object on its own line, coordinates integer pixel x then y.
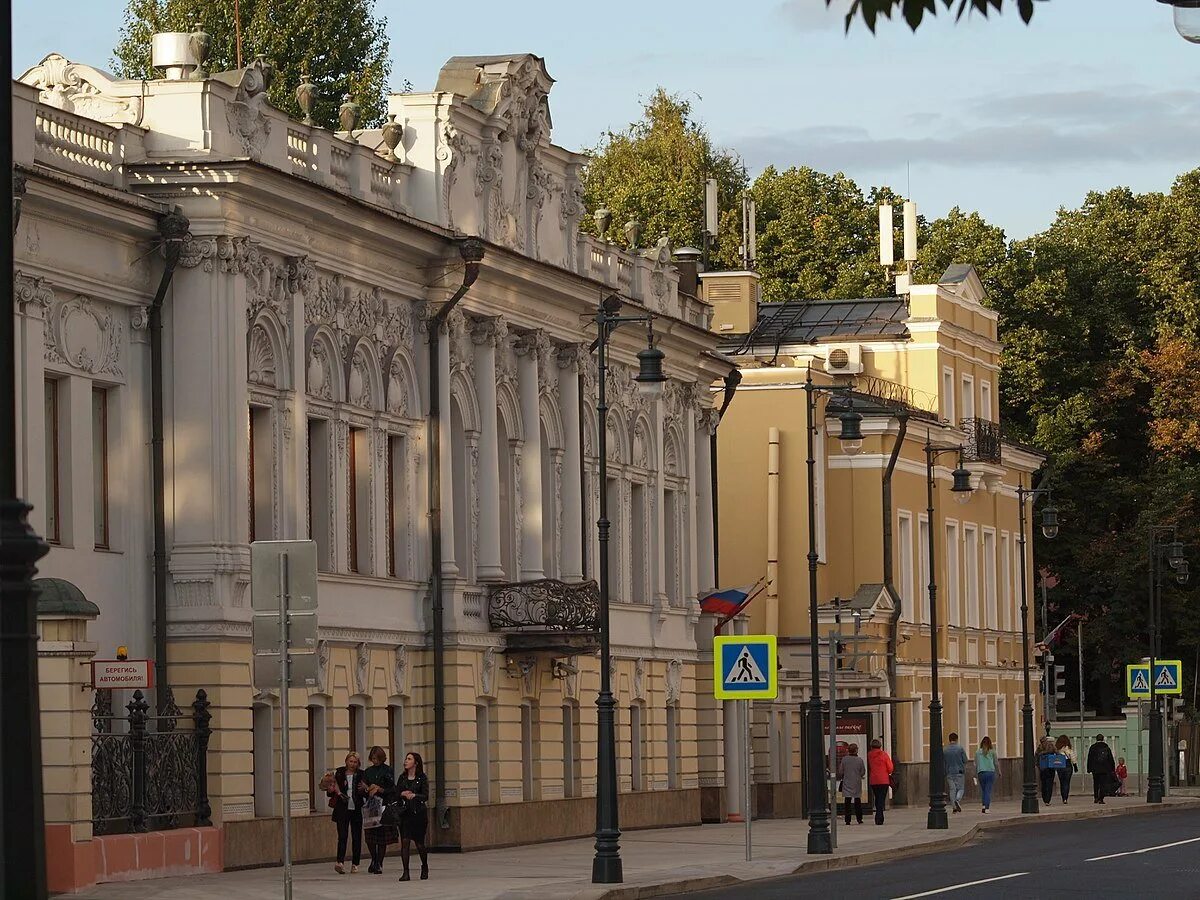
{"type": "Point", "coordinates": [148, 774]}
{"type": "Point", "coordinates": [984, 441]}
{"type": "Point", "coordinates": [545, 605]}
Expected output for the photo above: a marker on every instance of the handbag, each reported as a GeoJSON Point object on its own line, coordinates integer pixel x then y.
{"type": "Point", "coordinates": [373, 813]}
{"type": "Point", "coordinates": [394, 812]}
{"type": "Point", "coordinates": [893, 780]}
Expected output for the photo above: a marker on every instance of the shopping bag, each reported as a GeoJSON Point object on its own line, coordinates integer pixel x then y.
{"type": "Point", "coordinates": [372, 813]}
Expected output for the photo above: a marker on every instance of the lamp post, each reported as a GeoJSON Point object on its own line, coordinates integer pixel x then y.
{"type": "Point", "coordinates": [1187, 18]}
{"type": "Point", "coordinates": [820, 839]}
{"type": "Point", "coordinates": [606, 865]}
{"type": "Point", "coordinates": [1029, 800]}
{"type": "Point", "coordinates": [1170, 551]}
{"type": "Point", "coordinates": [961, 488]}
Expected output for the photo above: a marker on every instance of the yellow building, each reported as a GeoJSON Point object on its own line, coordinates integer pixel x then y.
{"type": "Point", "coordinates": [921, 367]}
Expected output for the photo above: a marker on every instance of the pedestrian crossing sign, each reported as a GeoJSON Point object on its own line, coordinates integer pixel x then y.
{"type": "Point", "coordinates": [1168, 678]}
{"type": "Point", "coordinates": [745, 667]}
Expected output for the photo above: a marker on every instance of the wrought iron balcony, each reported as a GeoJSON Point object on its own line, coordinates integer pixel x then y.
{"type": "Point", "coordinates": [983, 441]}
{"type": "Point", "coordinates": [547, 614]}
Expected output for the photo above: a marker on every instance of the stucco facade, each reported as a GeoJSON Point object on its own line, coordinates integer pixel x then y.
{"type": "Point", "coordinates": [933, 356]}
{"type": "Point", "coordinates": [296, 398]}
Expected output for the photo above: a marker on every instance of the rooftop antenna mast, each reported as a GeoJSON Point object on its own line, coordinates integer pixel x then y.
{"type": "Point", "coordinates": [710, 217]}
{"type": "Point", "coordinates": [887, 249]}
{"type": "Point", "coordinates": [749, 232]}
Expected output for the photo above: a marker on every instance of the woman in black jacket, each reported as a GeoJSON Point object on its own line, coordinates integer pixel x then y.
{"type": "Point", "coordinates": [348, 795]}
{"type": "Point", "coordinates": [413, 788]}
{"type": "Point", "coordinates": [381, 782]}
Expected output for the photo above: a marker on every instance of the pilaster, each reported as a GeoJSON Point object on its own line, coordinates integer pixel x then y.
{"type": "Point", "coordinates": [486, 333]}
{"type": "Point", "coordinates": [532, 567]}
{"type": "Point", "coordinates": [570, 540]}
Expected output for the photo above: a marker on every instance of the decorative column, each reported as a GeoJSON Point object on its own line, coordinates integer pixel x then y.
{"type": "Point", "coordinates": [33, 298]}
{"type": "Point", "coordinates": [486, 333]}
{"type": "Point", "coordinates": [658, 583]}
{"type": "Point", "coordinates": [702, 480]}
{"type": "Point", "coordinates": [530, 473]}
{"type": "Point", "coordinates": [571, 542]}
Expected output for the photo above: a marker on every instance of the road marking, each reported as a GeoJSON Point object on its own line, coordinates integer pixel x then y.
{"type": "Point", "coordinates": [1145, 850]}
{"type": "Point", "coordinates": [965, 884]}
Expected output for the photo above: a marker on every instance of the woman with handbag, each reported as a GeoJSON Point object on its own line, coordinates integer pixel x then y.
{"type": "Point", "coordinates": [413, 788]}
{"type": "Point", "coordinates": [381, 789]}
{"type": "Point", "coordinates": [346, 796]}
{"type": "Point", "coordinates": [880, 778]}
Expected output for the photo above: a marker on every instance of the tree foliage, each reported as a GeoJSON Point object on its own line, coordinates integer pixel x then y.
{"type": "Point", "coordinates": [654, 172]}
{"type": "Point", "coordinates": [343, 42]}
{"type": "Point", "coordinates": [914, 11]}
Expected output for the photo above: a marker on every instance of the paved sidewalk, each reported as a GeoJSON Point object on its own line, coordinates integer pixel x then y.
{"type": "Point", "coordinates": [657, 862]}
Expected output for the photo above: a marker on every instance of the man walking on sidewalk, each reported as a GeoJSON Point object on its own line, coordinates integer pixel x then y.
{"type": "Point", "coordinates": [956, 770]}
{"type": "Point", "coordinates": [1101, 764]}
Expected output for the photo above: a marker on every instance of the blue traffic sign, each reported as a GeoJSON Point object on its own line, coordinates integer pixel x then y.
{"type": "Point", "coordinates": [745, 667]}
{"type": "Point", "coordinates": [1168, 678]}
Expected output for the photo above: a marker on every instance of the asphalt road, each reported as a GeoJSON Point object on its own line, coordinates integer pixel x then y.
{"type": "Point", "coordinates": [1054, 860]}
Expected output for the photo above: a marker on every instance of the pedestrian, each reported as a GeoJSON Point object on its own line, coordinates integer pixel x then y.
{"type": "Point", "coordinates": [985, 770]}
{"type": "Point", "coordinates": [1047, 763]}
{"type": "Point", "coordinates": [956, 770]}
{"type": "Point", "coordinates": [1063, 746]}
{"type": "Point", "coordinates": [346, 794]}
{"type": "Point", "coordinates": [1101, 765]}
{"type": "Point", "coordinates": [1122, 774]}
{"type": "Point", "coordinates": [879, 777]}
{"type": "Point", "coordinates": [381, 784]}
{"type": "Point", "coordinates": [851, 770]}
{"type": "Point", "coordinates": [413, 788]}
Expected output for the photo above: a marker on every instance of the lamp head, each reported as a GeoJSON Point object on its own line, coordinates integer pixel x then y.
{"type": "Point", "coordinates": [1181, 573]}
{"type": "Point", "coordinates": [1050, 522]}
{"type": "Point", "coordinates": [851, 433]}
{"type": "Point", "coordinates": [961, 486]}
{"type": "Point", "coordinates": [650, 377]}
{"type": "Point", "coordinates": [1175, 555]}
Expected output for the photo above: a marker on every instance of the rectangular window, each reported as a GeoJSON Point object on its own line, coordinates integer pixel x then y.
{"type": "Point", "coordinates": [1005, 583]}
{"type": "Point", "coordinates": [1001, 725]}
{"type": "Point", "coordinates": [971, 573]}
{"type": "Point", "coordinates": [917, 727]}
{"type": "Point", "coordinates": [952, 586]}
{"type": "Point", "coordinates": [320, 508]}
{"type": "Point", "coordinates": [991, 617]}
{"type": "Point", "coordinates": [637, 537]}
{"type": "Point", "coordinates": [570, 732]}
{"type": "Point", "coordinates": [981, 721]}
{"type": "Point", "coordinates": [968, 397]}
{"type": "Point", "coordinates": [964, 721]}
{"type": "Point", "coordinates": [635, 748]}
{"type": "Point", "coordinates": [613, 500]}
{"type": "Point", "coordinates": [396, 735]}
{"type": "Point", "coordinates": [53, 533]}
{"type": "Point", "coordinates": [483, 751]}
{"type": "Point", "coordinates": [908, 596]}
{"type": "Point", "coordinates": [985, 401]}
{"type": "Point", "coordinates": [1016, 579]}
{"type": "Point", "coordinates": [922, 607]}
{"type": "Point", "coordinates": [316, 758]}
{"type": "Point", "coordinates": [357, 728]}
{"type": "Point", "coordinates": [262, 761]}
{"type": "Point", "coordinates": [948, 395]}
{"type": "Point", "coordinates": [530, 744]}
{"type": "Point", "coordinates": [671, 559]}
{"type": "Point", "coordinates": [100, 466]}
{"type": "Point", "coordinates": [261, 467]}
{"type": "Point", "coordinates": [673, 745]}
{"type": "Point", "coordinates": [358, 499]}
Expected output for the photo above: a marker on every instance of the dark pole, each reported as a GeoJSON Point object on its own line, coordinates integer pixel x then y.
{"type": "Point", "coordinates": [22, 819]}
{"type": "Point", "coordinates": [1154, 791]}
{"type": "Point", "coordinates": [1029, 800]}
{"type": "Point", "coordinates": [606, 865]}
{"type": "Point", "coordinates": [819, 838]}
{"type": "Point", "coordinates": [937, 818]}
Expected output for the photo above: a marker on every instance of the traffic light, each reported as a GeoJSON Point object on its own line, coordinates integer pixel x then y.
{"type": "Point", "coordinates": [1060, 682]}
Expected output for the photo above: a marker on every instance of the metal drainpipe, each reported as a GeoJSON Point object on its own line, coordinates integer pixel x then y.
{"type": "Point", "coordinates": [732, 380]}
{"type": "Point", "coordinates": [174, 230]}
{"type": "Point", "coordinates": [889, 573]}
{"type": "Point", "coordinates": [471, 251]}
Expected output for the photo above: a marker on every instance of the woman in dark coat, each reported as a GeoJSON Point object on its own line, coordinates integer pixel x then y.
{"type": "Point", "coordinates": [413, 788]}
{"type": "Point", "coordinates": [381, 782]}
{"type": "Point", "coordinates": [349, 793]}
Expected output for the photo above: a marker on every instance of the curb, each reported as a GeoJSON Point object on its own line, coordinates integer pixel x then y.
{"type": "Point", "coordinates": [831, 863]}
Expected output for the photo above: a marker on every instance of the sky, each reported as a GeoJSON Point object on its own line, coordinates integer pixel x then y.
{"type": "Point", "coordinates": [988, 115]}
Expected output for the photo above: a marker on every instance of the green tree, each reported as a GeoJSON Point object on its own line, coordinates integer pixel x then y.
{"type": "Point", "coordinates": [961, 237]}
{"type": "Point", "coordinates": [343, 43]}
{"type": "Point", "coordinates": [654, 172]}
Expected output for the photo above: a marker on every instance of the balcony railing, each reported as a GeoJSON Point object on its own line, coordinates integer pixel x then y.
{"type": "Point", "coordinates": [983, 441]}
{"type": "Point", "coordinates": [546, 614]}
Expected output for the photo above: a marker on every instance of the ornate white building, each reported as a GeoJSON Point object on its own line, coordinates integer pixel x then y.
{"type": "Point", "coordinates": [295, 403]}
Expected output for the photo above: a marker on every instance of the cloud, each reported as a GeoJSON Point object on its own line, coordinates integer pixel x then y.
{"type": "Point", "coordinates": [1046, 131]}
{"type": "Point", "coordinates": [813, 15]}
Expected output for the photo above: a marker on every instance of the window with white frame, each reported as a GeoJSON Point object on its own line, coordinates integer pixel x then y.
{"type": "Point", "coordinates": [317, 756]}
{"type": "Point", "coordinates": [908, 594]}
{"type": "Point", "coordinates": [396, 733]}
{"type": "Point", "coordinates": [358, 499]}
{"type": "Point", "coordinates": [100, 451]}
{"type": "Point", "coordinates": [530, 748]}
{"type": "Point", "coordinates": [953, 597]}
{"type": "Point", "coordinates": [948, 395]}
{"type": "Point", "coordinates": [921, 608]}
{"type": "Point", "coordinates": [917, 729]}
{"type": "Point", "coordinates": [320, 509]}
{"type": "Point", "coordinates": [1016, 580]}
{"type": "Point", "coordinates": [483, 750]}
{"type": "Point", "coordinates": [637, 756]}
{"type": "Point", "coordinates": [671, 545]}
{"type": "Point", "coordinates": [261, 759]}
{"type": "Point", "coordinates": [571, 751]}
{"type": "Point", "coordinates": [261, 465]}
{"type": "Point", "coordinates": [968, 397]}
{"type": "Point", "coordinates": [637, 546]}
{"type": "Point", "coordinates": [396, 506]}
{"type": "Point", "coordinates": [53, 503]}
{"type": "Point", "coordinates": [991, 617]}
{"type": "Point", "coordinates": [673, 745]}
{"type": "Point", "coordinates": [1006, 583]}
{"type": "Point", "coordinates": [971, 574]}
{"type": "Point", "coordinates": [356, 726]}
{"type": "Point", "coordinates": [981, 720]}
{"type": "Point", "coordinates": [985, 401]}
{"type": "Point", "coordinates": [964, 721]}
{"type": "Point", "coordinates": [1001, 725]}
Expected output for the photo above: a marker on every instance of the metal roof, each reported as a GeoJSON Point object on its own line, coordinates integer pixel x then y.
{"type": "Point", "coordinates": [809, 321]}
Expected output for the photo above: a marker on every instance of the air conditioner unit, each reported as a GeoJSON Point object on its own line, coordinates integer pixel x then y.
{"type": "Point", "coordinates": [843, 359]}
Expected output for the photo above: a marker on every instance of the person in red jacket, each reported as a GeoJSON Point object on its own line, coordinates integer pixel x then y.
{"type": "Point", "coordinates": [879, 777]}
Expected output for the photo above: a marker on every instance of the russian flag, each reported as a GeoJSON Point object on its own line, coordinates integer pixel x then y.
{"type": "Point", "coordinates": [726, 603]}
